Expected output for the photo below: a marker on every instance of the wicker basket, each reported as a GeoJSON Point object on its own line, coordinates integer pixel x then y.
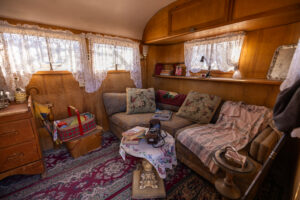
{"type": "Point", "coordinates": [80, 129]}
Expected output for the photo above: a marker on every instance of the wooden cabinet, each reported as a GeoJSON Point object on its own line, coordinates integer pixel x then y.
{"type": "Point", "coordinates": [197, 14]}
{"type": "Point", "coordinates": [185, 20]}
{"type": "Point", "coordinates": [19, 145]}
{"type": "Point", "coordinates": [250, 8]}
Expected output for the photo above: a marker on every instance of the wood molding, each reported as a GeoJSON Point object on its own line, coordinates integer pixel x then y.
{"type": "Point", "coordinates": [221, 79]}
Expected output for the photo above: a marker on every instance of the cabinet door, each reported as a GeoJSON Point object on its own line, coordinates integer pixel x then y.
{"type": "Point", "coordinates": [197, 14]}
{"type": "Point", "coordinates": [250, 8]}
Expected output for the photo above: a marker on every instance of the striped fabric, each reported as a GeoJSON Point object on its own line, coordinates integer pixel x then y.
{"type": "Point", "coordinates": [237, 125]}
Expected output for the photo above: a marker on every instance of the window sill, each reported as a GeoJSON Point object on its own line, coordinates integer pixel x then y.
{"type": "Point", "coordinates": [52, 72]}
{"type": "Point", "coordinates": [221, 79]}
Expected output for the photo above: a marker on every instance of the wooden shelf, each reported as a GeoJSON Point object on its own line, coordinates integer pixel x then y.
{"type": "Point", "coordinates": [228, 80]}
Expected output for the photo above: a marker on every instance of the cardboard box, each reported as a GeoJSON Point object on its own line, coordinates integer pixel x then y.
{"type": "Point", "coordinates": [85, 144]}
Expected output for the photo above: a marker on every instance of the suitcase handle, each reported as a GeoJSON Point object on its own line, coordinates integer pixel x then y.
{"type": "Point", "coordinates": [78, 117]}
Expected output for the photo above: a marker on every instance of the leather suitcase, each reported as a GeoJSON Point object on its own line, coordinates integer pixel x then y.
{"type": "Point", "coordinates": [86, 143]}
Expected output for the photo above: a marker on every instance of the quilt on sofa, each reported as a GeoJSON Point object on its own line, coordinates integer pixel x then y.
{"type": "Point", "coordinates": [237, 125]}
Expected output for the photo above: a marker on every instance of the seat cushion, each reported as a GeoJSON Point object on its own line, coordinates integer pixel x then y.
{"type": "Point", "coordinates": [176, 123]}
{"type": "Point", "coordinates": [126, 121]}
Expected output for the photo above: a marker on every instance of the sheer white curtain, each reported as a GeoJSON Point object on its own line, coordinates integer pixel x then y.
{"type": "Point", "coordinates": [222, 53]}
{"type": "Point", "coordinates": [26, 49]}
{"type": "Point", "coordinates": [110, 53]}
{"type": "Point", "coordinates": [294, 70]}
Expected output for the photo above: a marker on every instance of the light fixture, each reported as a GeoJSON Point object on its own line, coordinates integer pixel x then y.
{"type": "Point", "coordinates": [145, 50]}
{"type": "Point", "coordinates": [209, 67]}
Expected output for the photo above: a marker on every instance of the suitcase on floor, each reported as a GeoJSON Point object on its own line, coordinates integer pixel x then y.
{"type": "Point", "coordinates": [85, 144]}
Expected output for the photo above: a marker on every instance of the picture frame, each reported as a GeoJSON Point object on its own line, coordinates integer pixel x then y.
{"type": "Point", "coordinates": [281, 62]}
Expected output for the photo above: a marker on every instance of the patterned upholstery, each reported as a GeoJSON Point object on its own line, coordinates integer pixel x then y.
{"type": "Point", "coordinates": [199, 107]}
{"type": "Point", "coordinates": [140, 100]}
{"type": "Point", "coordinates": [126, 122]}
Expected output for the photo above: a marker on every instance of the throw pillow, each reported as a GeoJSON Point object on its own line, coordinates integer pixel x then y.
{"type": "Point", "coordinates": [140, 100]}
{"type": "Point", "coordinates": [199, 107]}
{"type": "Point", "coordinates": [171, 98]}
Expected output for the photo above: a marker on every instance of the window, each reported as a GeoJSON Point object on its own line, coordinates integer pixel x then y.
{"type": "Point", "coordinates": [112, 57]}
{"type": "Point", "coordinates": [38, 53]}
{"type": "Point", "coordinates": [27, 49]}
{"type": "Point", "coordinates": [221, 53]}
{"type": "Point", "coordinates": [113, 53]}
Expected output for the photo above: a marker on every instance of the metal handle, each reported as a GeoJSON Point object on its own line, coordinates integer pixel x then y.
{"type": "Point", "coordinates": [78, 117]}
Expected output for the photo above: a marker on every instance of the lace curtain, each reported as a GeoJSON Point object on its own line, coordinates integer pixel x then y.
{"type": "Point", "coordinates": [222, 53]}
{"type": "Point", "coordinates": [26, 49]}
{"type": "Point", "coordinates": [110, 53]}
{"type": "Point", "coordinates": [294, 70]}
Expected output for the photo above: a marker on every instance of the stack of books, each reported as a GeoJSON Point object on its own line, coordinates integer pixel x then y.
{"type": "Point", "coordinates": [162, 115]}
{"type": "Point", "coordinates": [133, 136]}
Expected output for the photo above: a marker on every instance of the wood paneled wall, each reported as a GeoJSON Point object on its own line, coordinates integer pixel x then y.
{"type": "Point", "coordinates": [61, 89]}
{"type": "Point", "coordinates": [256, 56]}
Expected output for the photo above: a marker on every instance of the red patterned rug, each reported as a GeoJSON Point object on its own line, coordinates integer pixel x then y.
{"type": "Point", "coordinates": [101, 174]}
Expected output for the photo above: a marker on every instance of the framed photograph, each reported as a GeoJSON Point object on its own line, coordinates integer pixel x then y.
{"type": "Point", "coordinates": [281, 62]}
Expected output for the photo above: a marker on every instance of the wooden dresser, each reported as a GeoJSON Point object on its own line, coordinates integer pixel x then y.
{"type": "Point", "coordinates": [20, 151]}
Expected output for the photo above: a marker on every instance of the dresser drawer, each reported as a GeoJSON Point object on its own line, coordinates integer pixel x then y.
{"type": "Point", "coordinates": [15, 132]}
{"type": "Point", "coordinates": [17, 155]}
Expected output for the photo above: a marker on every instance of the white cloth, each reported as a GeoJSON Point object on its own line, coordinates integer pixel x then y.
{"type": "Point", "coordinates": [222, 53]}
{"type": "Point", "coordinates": [26, 49]}
{"type": "Point", "coordinates": [296, 133]}
{"type": "Point", "coordinates": [161, 158]}
{"type": "Point", "coordinates": [106, 52]}
{"type": "Point", "coordinates": [294, 70]}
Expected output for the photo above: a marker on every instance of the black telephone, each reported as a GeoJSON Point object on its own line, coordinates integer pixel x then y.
{"type": "Point", "coordinates": [154, 135]}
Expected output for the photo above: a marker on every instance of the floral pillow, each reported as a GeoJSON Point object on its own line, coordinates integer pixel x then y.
{"type": "Point", "coordinates": [199, 107]}
{"type": "Point", "coordinates": [140, 100]}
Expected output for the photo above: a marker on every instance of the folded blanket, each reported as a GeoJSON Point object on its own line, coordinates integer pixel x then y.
{"type": "Point", "coordinates": [237, 125]}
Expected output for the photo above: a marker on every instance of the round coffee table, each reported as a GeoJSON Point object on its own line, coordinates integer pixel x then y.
{"type": "Point", "coordinates": [148, 179]}
{"type": "Point", "coordinates": [226, 186]}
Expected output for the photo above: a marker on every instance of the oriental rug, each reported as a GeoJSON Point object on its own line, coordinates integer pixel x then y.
{"type": "Point", "coordinates": [101, 174]}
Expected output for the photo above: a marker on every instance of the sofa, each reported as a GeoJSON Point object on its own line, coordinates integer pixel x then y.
{"type": "Point", "coordinates": [119, 121]}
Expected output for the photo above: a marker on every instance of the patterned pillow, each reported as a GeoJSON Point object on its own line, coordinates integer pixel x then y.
{"type": "Point", "coordinates": [140, 100]}
{"type": "Point", "coordinates": [199, 107]}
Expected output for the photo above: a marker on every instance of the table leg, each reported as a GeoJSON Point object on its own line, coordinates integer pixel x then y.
{"type": "Point", "coordinates": [227, 187]}
{"type": "Point", "coordinates": [148, 177]}
{"type": "Point", "coordinates": [146, 183]}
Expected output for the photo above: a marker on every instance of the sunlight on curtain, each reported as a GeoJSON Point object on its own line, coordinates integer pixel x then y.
{"type": "Point", "coordinates": [222, 53]}
{"type": "Point", "coordinates": [111, 53]}
{"type": "Point", "coordinates": [26, 49]}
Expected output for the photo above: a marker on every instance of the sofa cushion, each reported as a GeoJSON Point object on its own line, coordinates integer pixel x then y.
{"type": "Point", "coordinates": [199, 107]}
{"type": "Point", "coordinates": [176, 123]}
{"type": "Point", "coordinates": [126, 121]}
{"type": "Point", "coordinates": [114, 102]}
{"type": "Point", "coordinates": [140, 100]}
{"type": "Point", "coordinates": [142, 119]}
{"type": "Point", "coordinates": [258, 140]}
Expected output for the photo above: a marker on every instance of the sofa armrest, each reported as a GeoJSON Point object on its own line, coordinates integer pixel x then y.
{"type": "Point", "coordinates": [114, 103]}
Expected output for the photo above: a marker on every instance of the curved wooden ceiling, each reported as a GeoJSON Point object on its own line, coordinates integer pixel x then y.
{"type": "Point", "coordinates": [126, 18]}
